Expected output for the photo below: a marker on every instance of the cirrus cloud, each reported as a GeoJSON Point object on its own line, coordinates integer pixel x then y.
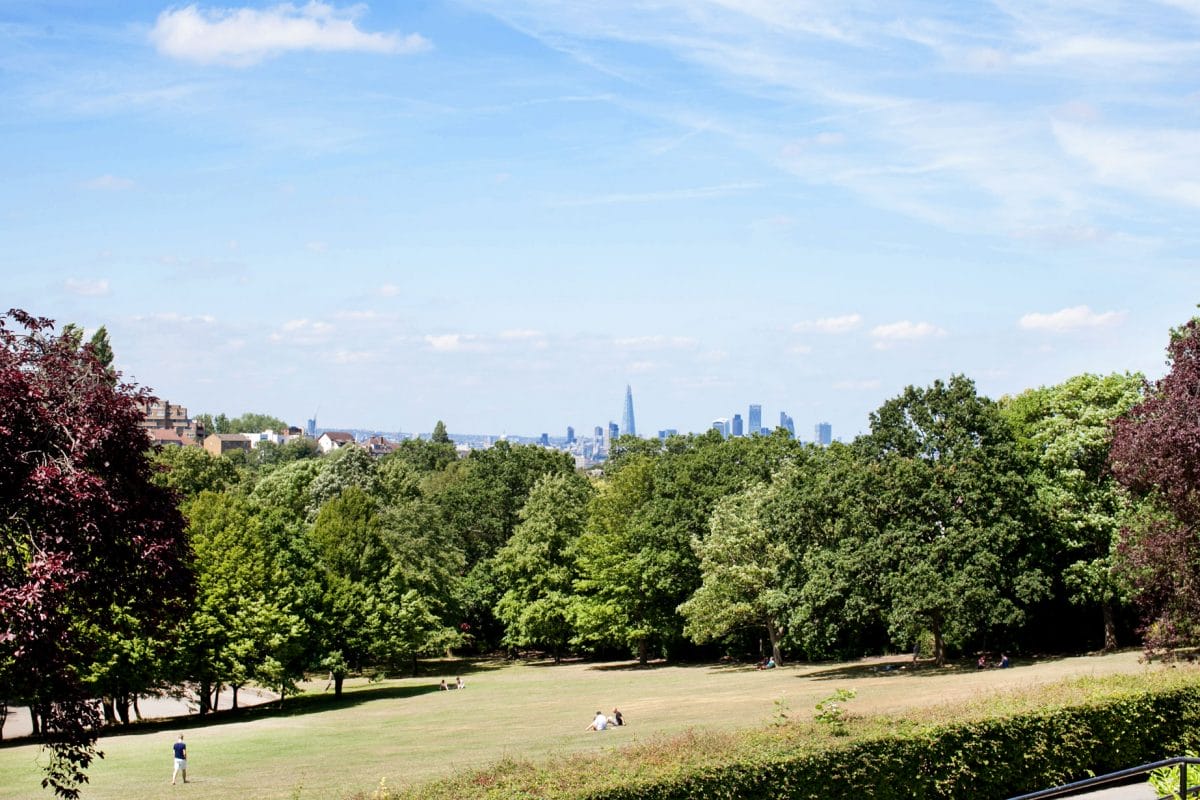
{"type": "Point", "coordinates": [1071, 319]}
{"type": "Point", "coordinates": [241, 37]}
{"type": "Point", "coordinates": [842, 324]}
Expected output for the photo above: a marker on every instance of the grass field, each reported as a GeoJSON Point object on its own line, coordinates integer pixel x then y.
{"type": "Point", "coordinates": [408, 731]}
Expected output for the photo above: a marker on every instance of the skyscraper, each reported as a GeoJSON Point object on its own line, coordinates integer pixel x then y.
{"type": "Point", "coordinates": [721, 425]}
{"type": "Point", "coordinates": [570, 435]}
{"type": "Point", "coordinates": [754, 423]}
{"type": "Point", "coordinates": [627, 417]}
{"type": "Point", "coordinates": [787, 423]}
{"type": "Point", "coordinates": [613, 431]}
{"type": "Point", "coordinates": [544, 440]}
{"type": "Point", "coordinates": [737, 425]}
{"type": "Point", "coordinates": [823, 433]}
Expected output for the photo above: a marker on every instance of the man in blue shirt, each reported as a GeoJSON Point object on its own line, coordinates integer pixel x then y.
{"type": "Point", "coordinates": [180, 760]}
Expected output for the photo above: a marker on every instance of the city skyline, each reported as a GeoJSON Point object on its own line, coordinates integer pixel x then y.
{"type": "Point", "coordinates": [496, 214]}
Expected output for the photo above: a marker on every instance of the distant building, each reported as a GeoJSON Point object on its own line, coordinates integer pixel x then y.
{"type": "Point", "coordinates": [721, 425]}
{"type": "Point", "coordinates": [613, 431]}
{"type": "Point", "coordinates": [823, 433]}
{"type": "Point", "coordinates": [332, 440]}
{"type": "Point", "coordinates": [754, 420]}
{"type": "Point", "coordinates": [627, 424]}
{"type": "Point", "coordinates": [379, 445]}
{"type": "Point", "coordinates": [737, 424]}
{"type": "Point", "coordinates": [667, 433]}
{"type": "Point", "coordinates": [310, 428]}
{"type": "Point", "coordinates": [544, 440]}
{"type": "Point", "coordinates": [570, 435]}
{"type": "Point", "coordinates": [218, 444]}
{"type": "Point", "coordinates": [161, 415]}
{"type": "Point", "coordinates": [787, 423]}
{"type": "Point", "coordinates": [599, 433]}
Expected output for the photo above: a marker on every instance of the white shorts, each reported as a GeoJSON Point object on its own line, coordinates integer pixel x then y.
{"type": "Point", "coordinates": [181, 763]}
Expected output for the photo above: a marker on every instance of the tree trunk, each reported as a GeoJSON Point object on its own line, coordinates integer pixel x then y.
{"type": "Point", "coordinates": [1110, 627]}
{"type": "Point", "coordinates": [216, 696]}
{"type": "Point", "coordinates": [235, 694]}
{"type": "Point", "coordinates": [939, 646]}
{"type": "Point", "coordinates": [110, 714]}
{"type": "Point", "coordinates": [137, 712]}
{"type": "Point", "coordinates": [643, 651]}
{"type": "Point", "coordinates": [773, 632]}
{"type": "Point", "coordinates": [414, 665]}
{"type": "Point", "coordinates": [121, 702]}
{"type": "Point", "coordinates": [3, 718]}
{"type": "Point", "coordinates": [204, 698]}
{"type": "Point", "coordinates": [338, 677]}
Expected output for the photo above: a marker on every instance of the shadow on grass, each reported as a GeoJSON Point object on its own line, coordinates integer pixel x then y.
{"type": "Point", "coordinates": [921, 669]}
{"type": "Point", "coordinates": [292, 706]}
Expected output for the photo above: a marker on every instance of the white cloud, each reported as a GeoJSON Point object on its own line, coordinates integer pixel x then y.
{"type": "Point", "coordinates": [857, 386]}
{"type": "Point", "coordinates": [109, 183]}
{"type": "Point", "coordinates": [302, 331]}
{"type": "Point", "coordinates": [1071, 319]}
{"type": "Point", "coordinates": [697, 193]}
{"type": "Point", "coordinates": [518, 335]}
{"type": "Point", "coordinates": [648, 342]}
{"type": "Point", "coordinates": [316, 247]}
{"type": "Point", "coordinates": [893, 333]}
{"type": "Point", "coordinates": [86, 288]}
{"type": "Point", "coordinates": [352, 356]}
{"type": "Point", "coordinates": [389, 290]}
{"type": "Point", "coordinates": [454, 342]}
{"type": "Point", "coordinates": [175, 318]}
{"type": "Point", "coordinates": [241, 37]}
{"type": "Point", "coordinates": [843, 324]}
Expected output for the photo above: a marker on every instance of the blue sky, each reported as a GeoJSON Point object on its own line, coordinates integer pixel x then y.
{"type": "Point", "coordinates": [500, 213]}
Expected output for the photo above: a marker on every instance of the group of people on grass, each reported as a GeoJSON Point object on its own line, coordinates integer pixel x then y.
{"type": "Point", "coordinates": [458, 684]}
{"type": "Point", "coordinates": [982, 663]}
{"type": "Point", "coordinates": [601, 722]}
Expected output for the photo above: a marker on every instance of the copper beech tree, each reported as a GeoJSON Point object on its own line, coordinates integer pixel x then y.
{"type": "Point", "coordinates": [1156, 455]}
{"type": "Point", "coordinates": [85, 536]}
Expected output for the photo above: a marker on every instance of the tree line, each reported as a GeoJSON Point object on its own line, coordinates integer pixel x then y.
{"type": "Point", "coordinates": [1062, 518]}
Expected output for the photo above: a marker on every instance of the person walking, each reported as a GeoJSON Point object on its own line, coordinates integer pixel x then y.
{"type": "Point", "coordinates": [180, 760]}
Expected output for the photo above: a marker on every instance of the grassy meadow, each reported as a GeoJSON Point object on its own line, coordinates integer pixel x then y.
{"type": "Point", "coordinates": [407, 731]}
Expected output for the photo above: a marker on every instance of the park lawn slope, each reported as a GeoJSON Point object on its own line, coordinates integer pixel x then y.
{"type": "Point", "coordinates": [410, 734]}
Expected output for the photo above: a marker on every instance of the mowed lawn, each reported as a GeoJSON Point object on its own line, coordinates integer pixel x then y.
{"type": "Point", "coordinates": [408, 731]}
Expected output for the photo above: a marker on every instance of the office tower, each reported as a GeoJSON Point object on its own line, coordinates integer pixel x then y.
{"type": "Point", "coordinates": [613, 430]}
{"type": "Point", "coordinates": [627, 416]}
{"type": "Point", "coordinates": [310, 429]}
{"type": "Point", "coordinates": [754, 423]}
{"type": "Point", "coordinates": [721, 425]}
{"type": "Point", "coordinates": [787, 423]}
{"type": "Point", "coordinates": [544, 441]}
{"type": "Point", "coordinates": [570, 435]}
{"type": "Point", "coordinates": [823, 433]}
{"type": "Point", "coordinates": [667, 433]}
{"type": "Point", "coordinates": [599, 433]}
{"type": "Point", "coordinates": [737, 425]}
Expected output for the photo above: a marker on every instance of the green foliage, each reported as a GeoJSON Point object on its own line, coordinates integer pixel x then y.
{"type": "Point", "coordinates": [1167, 780]}
{"type": "Point", "coordinates": [192, 470]}
{"type": "Point", "coordinates": [831, 711]}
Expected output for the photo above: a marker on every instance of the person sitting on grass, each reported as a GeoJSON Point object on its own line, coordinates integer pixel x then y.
{"type": "Point", "coordinates": [1003, 661]}
{"type": "Point", "coordinates": [616, 718]}
{"type": "Point", "coordinates": [459, 684]}
{"type": "Point", "coordinates": [599, 723]}
{"type": "Point", "coordinates": [444, 687]}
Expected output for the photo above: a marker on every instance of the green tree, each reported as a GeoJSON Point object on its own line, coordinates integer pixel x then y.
{"type": "Point", "coordinates": [742, 567]}
{"type": "Point", "coordinates": [960, 550]}
{"type": "Point", "coordinates": [439, 434]}
{"type": "Point", "coordinates": [1066, 432]}
{"type": "Point", "coordinates": [192, 470]}
{"type": "Point", "coordinates": [537, 565]}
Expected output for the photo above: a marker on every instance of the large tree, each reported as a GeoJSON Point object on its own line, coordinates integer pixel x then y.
{"type": "Point", "coordinates": [1066, 432]}
{"type": "Point", "coordinates": [537, 565]}
{"type": "Point", "coordinates": [83, 530]}
{"type": "Point", "coordinates": [1156, 455]}
{"type": "Point", "coordinates": [742, 567]}
{"type": "Point", "coordinates": [959, 550]}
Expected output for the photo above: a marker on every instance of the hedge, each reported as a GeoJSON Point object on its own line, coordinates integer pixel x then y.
{"type": "Point", "coordinates": [994, 758]}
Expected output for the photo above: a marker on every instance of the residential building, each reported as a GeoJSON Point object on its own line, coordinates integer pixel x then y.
{"type": "Point", "coordinates": [754, 419]}
{"type": "Point", "coordinates": [332, 440]}
{"type": "Point", "coordinates": [218, 444]}
{"type": "Point", "coordinates": [161, 415]}
{"type": "Point", "coordinates": [378, 445]}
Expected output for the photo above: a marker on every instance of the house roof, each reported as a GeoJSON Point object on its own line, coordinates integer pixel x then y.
{"type": "Point", "coordinates": [338, 436]}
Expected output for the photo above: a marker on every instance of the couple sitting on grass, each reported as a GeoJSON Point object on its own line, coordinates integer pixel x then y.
{"type": "Point", "coordinates": [458, 684]}
{"type": "Point", "coordinates": [602, 722]}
